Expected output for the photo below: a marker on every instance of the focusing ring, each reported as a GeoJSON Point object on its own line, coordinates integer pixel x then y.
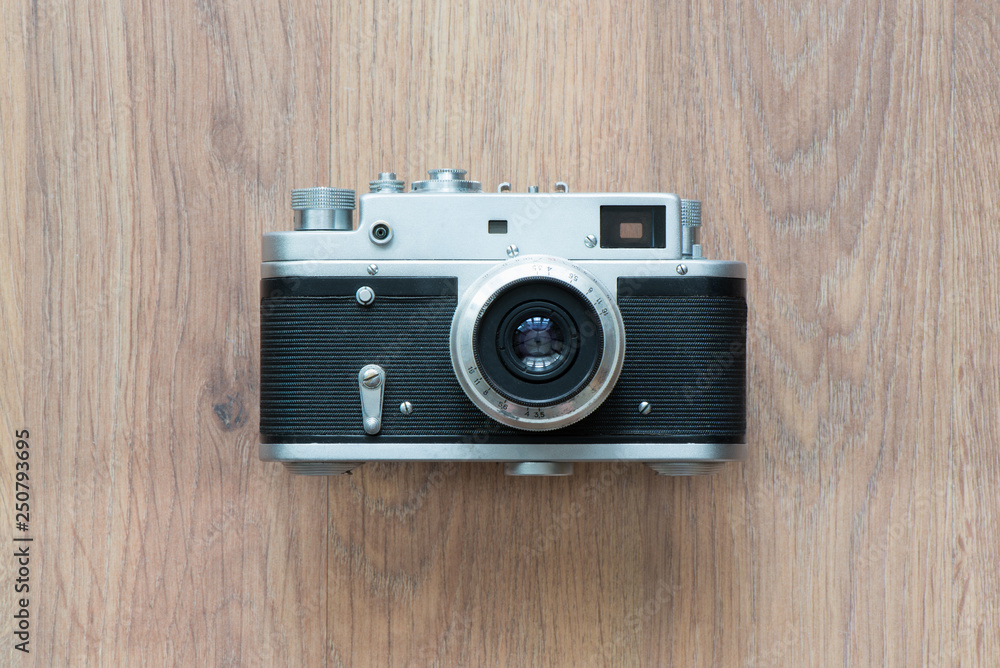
{"type": "Point", "coordinates": [475, 380]}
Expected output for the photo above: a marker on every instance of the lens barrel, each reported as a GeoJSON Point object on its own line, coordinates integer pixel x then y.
{"type": "Point", "coordinates": [537, 343]}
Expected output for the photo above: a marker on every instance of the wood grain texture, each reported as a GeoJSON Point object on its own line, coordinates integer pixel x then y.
{"type": "Point", "coordinates": [846, 150]}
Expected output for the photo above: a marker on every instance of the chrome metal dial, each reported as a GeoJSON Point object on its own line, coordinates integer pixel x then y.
{"type": "Point", "coordinates": [324, 208]}
{"type": "Point", "coordinates": [448, 181]}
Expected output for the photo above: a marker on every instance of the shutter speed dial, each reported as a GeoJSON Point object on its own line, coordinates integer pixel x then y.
{"type": "Point", "coordinates": [448, 181]}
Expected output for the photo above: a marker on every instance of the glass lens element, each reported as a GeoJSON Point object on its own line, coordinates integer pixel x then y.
{"type": "Point", "coordinates": [539, 344]}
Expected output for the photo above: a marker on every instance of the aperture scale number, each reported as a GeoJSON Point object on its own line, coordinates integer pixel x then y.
{"type": "Point", "coordinates": [572, 278]}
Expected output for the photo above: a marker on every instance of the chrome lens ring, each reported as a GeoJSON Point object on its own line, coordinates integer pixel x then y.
{"type": "Point", "coordinates": [475, 382]}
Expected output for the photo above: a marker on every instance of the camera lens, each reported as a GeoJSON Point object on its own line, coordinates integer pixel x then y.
{"type": "Point", "coordinates": [537, 341]}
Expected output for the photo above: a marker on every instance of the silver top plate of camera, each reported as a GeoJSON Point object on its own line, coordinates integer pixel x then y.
{"type": "Point", "coordinates": [449, 219]}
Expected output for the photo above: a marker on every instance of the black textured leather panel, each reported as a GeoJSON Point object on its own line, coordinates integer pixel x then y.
{"type": "Point", "coordinates": [686, 355]}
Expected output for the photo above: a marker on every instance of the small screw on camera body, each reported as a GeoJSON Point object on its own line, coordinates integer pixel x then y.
{"type": "Point", "coordinates": [371, 377]}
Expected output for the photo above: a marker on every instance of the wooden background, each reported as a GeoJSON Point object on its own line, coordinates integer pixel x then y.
{"type": "Point", "coordinates": [846, 150]}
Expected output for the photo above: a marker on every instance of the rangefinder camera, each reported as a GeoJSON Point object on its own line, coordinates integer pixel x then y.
{"type": "Point", "coordinates": [536, 329]}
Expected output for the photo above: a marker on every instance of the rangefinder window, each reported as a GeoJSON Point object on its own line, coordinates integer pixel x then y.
{"type": "Point", "coordinates": [633, 227]}
{"type": "Point", "coordinates": [498, 227]}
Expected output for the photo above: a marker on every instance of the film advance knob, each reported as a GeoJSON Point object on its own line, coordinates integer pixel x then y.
{"type": "Point", "coordinates": [323, 208]}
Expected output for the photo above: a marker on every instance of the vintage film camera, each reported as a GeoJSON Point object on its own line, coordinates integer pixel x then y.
{"type": "Point", "coordinates": [534, 329]}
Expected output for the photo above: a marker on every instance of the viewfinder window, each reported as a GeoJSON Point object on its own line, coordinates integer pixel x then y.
{"type": "Point", "coordinates": [633, 226]}
{"type": "Point", "coordinates": [498, 227]}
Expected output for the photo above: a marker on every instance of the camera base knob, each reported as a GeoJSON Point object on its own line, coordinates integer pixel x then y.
{"type": "Point", "coordinates": [538, 468]}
